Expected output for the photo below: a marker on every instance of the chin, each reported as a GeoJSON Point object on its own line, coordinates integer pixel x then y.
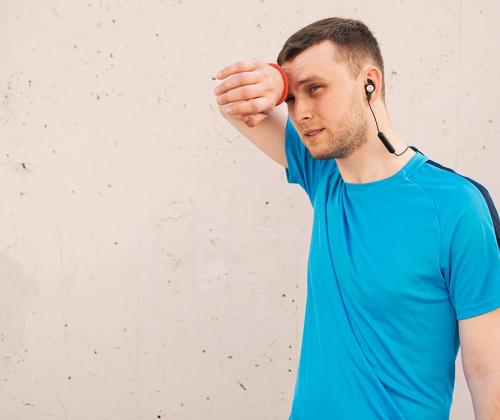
{"type": "Point", "coordinates": [321, 154]}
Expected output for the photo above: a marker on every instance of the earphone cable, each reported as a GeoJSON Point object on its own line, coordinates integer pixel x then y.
{"type": "Point", "coordinates": [402, 152]}
{"type": "Point", "coordinates": [373, 115]}
{"type": "Point", "coordinates": [379, 130]}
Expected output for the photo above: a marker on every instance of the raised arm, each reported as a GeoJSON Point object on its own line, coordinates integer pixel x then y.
{"type": "Point", "coordinates": [247, 99]}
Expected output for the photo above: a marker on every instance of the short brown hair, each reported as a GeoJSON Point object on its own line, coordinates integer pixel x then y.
{"type": "Point", "coordinates": [355, 42]}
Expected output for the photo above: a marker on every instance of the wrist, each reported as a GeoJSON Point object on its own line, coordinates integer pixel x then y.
{"type": "Point", "coordinates": [284, 80]}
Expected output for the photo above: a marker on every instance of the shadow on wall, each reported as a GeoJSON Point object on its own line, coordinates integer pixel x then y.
{"type": "Point", "coordinates": [17, 291]}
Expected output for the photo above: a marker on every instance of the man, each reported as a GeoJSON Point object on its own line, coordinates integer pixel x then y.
{"type": "Point", "coordinates": [404, 261]}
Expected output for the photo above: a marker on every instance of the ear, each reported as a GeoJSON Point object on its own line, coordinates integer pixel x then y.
{"type": "Point", "coordinates": [375, 75]}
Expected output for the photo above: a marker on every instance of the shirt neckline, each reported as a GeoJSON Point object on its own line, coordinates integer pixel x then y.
{"type": "Point", "coordinates": [418, 159]}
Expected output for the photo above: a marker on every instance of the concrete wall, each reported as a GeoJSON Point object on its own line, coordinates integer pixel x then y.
{"type": "Point", "coordinates": [152, 260]}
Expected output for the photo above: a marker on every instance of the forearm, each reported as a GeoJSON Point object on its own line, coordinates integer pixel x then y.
{"type": "Point", "coordinates": [485, 393]}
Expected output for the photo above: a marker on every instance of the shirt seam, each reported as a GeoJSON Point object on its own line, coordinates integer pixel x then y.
{"type": "Point", "coordinates": [443, 401]}
{"type": "Point", "coordinates": [448, 364]}
{"type": "Point", "coordinates": [483, 307]}
{"type": "Point", "coordinates": [438, 219]}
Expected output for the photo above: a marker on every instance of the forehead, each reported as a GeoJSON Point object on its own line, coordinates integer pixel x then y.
{"type": "Point", "coordinates": [318, 61]}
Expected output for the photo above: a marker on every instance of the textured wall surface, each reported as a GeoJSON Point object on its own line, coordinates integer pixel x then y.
{"type": "Point", "coordinates": [153, 261]}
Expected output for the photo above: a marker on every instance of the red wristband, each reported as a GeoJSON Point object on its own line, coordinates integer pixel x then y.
{"type": "Point", "coordinates": [285, 82]}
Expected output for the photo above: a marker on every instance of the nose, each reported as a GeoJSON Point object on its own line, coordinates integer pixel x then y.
{"type": "Point", "coordinates": [302, 110]}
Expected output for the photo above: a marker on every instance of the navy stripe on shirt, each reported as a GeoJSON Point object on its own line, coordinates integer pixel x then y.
{"type": "Point", "coordinates": [482, 190]}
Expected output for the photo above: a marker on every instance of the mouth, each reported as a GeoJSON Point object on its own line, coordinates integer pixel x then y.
{"type": "Point", "coordinates": [314, 134]}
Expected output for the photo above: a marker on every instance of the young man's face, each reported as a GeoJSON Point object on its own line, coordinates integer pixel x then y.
{"type": "Point", "coordinates": [331, 100]}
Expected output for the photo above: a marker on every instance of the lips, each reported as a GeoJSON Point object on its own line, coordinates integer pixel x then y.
{"type": "Point", "coordinates": [313, 133]}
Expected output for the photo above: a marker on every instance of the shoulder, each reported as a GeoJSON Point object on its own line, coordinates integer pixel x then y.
{"type": "Point", "coordinates": [451, 190]}
{"type": "Point", "coordinates": [457, 197]}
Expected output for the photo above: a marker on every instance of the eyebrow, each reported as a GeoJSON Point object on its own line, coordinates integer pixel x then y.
{"type": "Point", "coordinates": [310, 79]}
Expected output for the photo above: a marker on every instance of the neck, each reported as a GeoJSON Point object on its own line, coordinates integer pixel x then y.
{"type": "Point", "coordinates": [372, 161]}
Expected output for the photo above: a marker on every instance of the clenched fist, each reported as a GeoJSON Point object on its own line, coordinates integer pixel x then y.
{"type": "Point", "coordinates": [250, 92]}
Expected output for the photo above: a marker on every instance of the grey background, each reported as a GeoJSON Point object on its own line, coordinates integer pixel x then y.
{"type": "Point", "coordinates": [153, 261]}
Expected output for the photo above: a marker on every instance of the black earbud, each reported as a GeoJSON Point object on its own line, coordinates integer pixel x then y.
{"type": "Point", "coordinates": [370, 88]}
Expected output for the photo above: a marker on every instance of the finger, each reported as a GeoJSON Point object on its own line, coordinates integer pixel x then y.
{"type": "Point", "coordinates": [253, 119]}
{"type": "Point", "coordinates": [251, 106]}
{"type": "Point", "coordinates": [237, 67]}
{"type": "Point", "coordinates": [245, 92]}
{"type": "Point", "coordinates": [231, 108]}
{"type": "Point", "coordinates": [238, 80]}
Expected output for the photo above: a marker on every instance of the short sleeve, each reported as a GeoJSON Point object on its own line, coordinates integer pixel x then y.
{"type": "Point", "coordinates": [302, 168]}
{"type": "Point", "coordinates": [473, 260]}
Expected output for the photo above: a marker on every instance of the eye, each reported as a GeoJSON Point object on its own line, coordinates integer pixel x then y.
{"type": "Point", "coordinates": [291, 98]}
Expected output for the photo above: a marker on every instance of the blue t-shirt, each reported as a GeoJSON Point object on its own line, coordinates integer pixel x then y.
{"type": "Point", "coordinates": [393, 265]}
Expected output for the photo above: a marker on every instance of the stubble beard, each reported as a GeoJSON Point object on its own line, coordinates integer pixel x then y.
{"type": "Point", "coordinates": [347, 139]}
